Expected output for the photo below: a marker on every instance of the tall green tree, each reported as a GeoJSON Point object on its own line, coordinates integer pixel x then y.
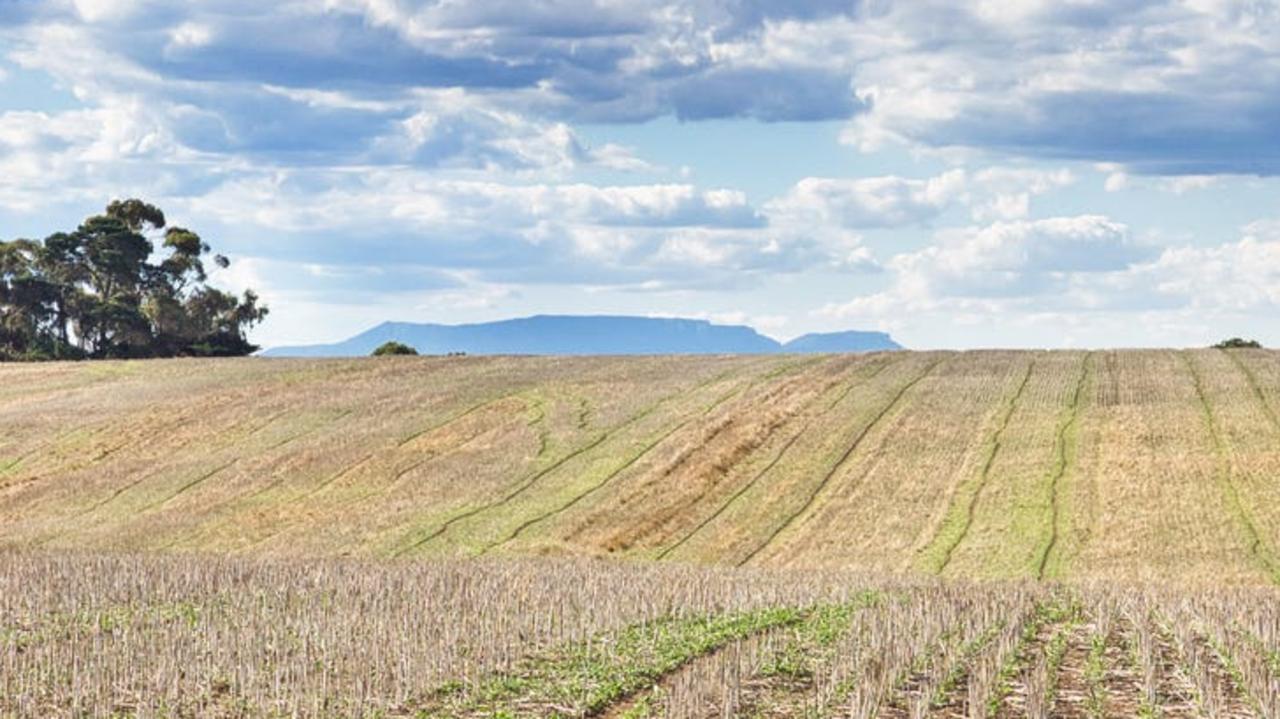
{"type": "Point", "coordinates": [96, 292]}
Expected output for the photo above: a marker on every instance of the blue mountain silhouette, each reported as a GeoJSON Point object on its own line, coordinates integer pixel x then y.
{"type": "Point", "coordinates": [588, 335]}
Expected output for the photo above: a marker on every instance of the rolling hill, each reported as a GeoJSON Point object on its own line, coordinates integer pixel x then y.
{"type": "Point", "coordinates": [1112, 464]}
{"type": "Point", "coordinates": [588, 335]}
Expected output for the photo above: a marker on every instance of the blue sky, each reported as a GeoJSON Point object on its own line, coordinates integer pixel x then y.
{"type": "Point", "coordinates": [1023, 173]}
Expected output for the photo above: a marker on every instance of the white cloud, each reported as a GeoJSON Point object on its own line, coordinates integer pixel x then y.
{"type": "Point", "coordinates": [986, 269]}
{"type": "Point", "coordinates": [1022, 258]}
{"type": "Point", "coordinates": [1117, 180]}
{"type": "Point", "coordinates": [893, 201]}
{"type": "Point", "coordinates": [1170, 86]}
{"type": "Point", "coordinates": [1241, 276]}
{"type": "Point", "coordinates": [568, 233]}
{"type": "Point", "coordinates": [1189, 183]}
{"type": "Point", "coordinates": [1004, 193]}
{"type": "Point", "coordinates": [99, 10]}
{"type": "Point", "coordinates": [93, 154]}
{"type": "Point", "coordinates": [189, 35]}
{"type": "Point", "coordinates": [868, 202]}
{"type": "Point", "coordinates": [1065, 280]}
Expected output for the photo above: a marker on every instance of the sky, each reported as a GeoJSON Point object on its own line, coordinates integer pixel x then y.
{"type": "Point", "coordinates": [993, 173]}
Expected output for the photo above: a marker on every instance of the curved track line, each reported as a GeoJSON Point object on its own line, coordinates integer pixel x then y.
{"type": "Point", "coordinates": [17, 461]}
{"type": "Point", "coordinates": [450, 420]}
{"type": "Point", "coordinates": [421, 433]}
{"type": "Point", "coordinates": [525, 485]}
{"type": "Point", "coordinates": [1252, 379]}
{"type": "Point", "coordinates": [1261, 553]}
{"type": "Point", "coordinates": [1065, 430]}
{"type": "Point", "coordinates": [983, 476]}
{"type": "Point", "coordinates": [608, 478]}
{"type": "Point", "coordinates": [648, 448]}
{"type": "Point", "coordinates": [772, 463]}
{"type": "Point", "coordinates": [510, 495]}
{"type": "Point", "coordinates": [114, 495]}
{"type": "Point", "coordinates": [323, 425]}
{"type": "Point", "coordinates": [237, 460]}
{"type": "Point", "coordinates": [398, 476]}
{"type": "Point", "coordinates": [293, 438]}
{"type": "Point", "coordinates": [207, 475]}
{"type": "Point", "coordinates": [835, 468]}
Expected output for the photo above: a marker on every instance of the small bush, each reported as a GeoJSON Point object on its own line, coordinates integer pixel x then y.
{"type": "Point", "coordinates": [1238, 343]}
{"type": "Point", "coordinates": [394, 348]}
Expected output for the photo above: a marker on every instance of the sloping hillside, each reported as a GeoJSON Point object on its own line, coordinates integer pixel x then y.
{"type": "Point", "coordinates": [1127, 464]}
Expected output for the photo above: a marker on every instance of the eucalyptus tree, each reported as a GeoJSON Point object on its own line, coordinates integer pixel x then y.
{"type": "Point", "coordinates": [96, 291]}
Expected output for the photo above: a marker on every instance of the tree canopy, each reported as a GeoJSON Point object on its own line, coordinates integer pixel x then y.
{"type": "Point", "coordinates": [393, 348]}
{"type": "Point", "coordinates": [97, 292]}
{"type": "Point", "coordinates": [1238, 343]}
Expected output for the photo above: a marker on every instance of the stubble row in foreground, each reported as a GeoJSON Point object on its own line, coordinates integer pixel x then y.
{"type": "Point", "coordinates": [112, 635]}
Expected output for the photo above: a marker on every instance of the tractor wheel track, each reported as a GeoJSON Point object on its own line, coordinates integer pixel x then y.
{"type": "Point", "coordinates": [985, 474]}
{"type": "Point", "coordinates": [844, 458]}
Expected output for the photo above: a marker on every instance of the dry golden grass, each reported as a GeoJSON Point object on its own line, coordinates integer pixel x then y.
{"type": "Point", "coordinates": [1136, 465]}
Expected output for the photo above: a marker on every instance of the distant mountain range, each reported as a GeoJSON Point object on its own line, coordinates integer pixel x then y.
{"type": "Point", "coordinates": [588, 335]}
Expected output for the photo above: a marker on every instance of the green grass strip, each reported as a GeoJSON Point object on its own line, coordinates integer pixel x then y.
{"type": "Point", "coordinates": [937, 554]}
{"type": "Point", "coordinates": [1066, 443]}
{"type": "Point", "coordinates": [1262, 554]}
{"type": "Point", "coordinates": [588, 677]}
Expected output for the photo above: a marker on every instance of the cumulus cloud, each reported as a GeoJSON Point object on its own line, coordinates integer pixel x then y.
{"type": "Point", "coordinates": [1159, 87]}
{"type": "Point", "coordinates": [1156, 87]}
{"type": "Point", "coordinates": [1241, 276]}
{"type": "Point", "coordinates": [293, 121]}
{"type": "Point", "coordinates": [895, 201]}
{"type": "Point", "coordinates": [47, 158]}
{"type": "Point", "coordinates": [668, 235]}
{"type": "Point", "coordinates": [871, 201]}
{"type": "Point", "coordinates": [1075, 277]}
{"type": "Point", "coordinates": [990, 266]}
{"type": "Point", "coordinates": [574, 59]}
{"type": "Point", "coordinates": [1017, 258]}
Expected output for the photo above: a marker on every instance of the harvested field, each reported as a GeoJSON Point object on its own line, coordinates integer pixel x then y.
{"type": "Point", "coordinates": [141, 635]}
{"type": "Point", "coordinates": [1126, 465]}
{"type": "Point", "coordinates": [979, 534]}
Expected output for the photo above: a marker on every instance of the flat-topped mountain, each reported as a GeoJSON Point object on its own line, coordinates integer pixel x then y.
{"type": "Point", "coordinates": [588, 335]}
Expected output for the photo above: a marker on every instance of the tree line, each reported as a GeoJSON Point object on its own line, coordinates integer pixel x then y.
{"type": "Point", "coordinates": [96, 292]}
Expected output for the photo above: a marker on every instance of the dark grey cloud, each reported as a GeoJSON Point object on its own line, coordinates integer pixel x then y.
{"type": "Point", "coordinates": [325, 52]}
{"type": "Point", "coordinates": [236, 120]}
{"type": "Point", "coordinates": [1159, 86]}
{"type": "Point", "coordinates": [620, 62]}
{"type": "Point", "coordinates": [1150, 133]}
{"type": "Point", "coordinates": [767, 94]}
{"type": "Point", "coordinates": [1162, 87]}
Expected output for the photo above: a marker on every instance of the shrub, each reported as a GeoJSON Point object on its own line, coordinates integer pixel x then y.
{"type": "Point", "coordinates": [394, 348]}
{"type": "Point", "coordinates": [1238, 343]}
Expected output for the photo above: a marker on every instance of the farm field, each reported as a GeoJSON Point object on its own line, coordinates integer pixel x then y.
{"type": "Point", "coordinates": [1121, 465]}
{"type": "Point", "coordinates": [979, 534]}
{"type": "Point", "coordinates": [141, 635]}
